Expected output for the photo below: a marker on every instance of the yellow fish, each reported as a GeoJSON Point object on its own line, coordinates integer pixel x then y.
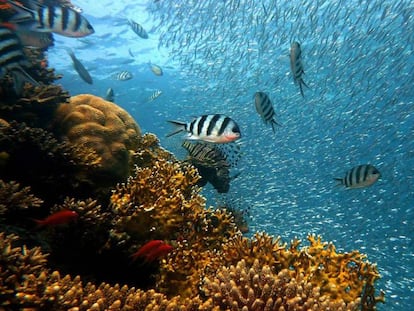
{"type": "Point", "coordinates": [157, 70]}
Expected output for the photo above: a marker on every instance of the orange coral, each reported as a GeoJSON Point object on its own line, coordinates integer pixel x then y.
{"type": "Point", "coordinates": [103, 126]}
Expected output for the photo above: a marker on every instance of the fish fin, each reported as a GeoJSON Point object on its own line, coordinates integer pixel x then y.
{"type": "Point", "coordinates": [19, 78]}
{"type": "Point", "coordinates": [23, 14]}
{"type": "Point", "coordinates": [303, 82]}
{"type": "Point", "coordinates": [179, 127]}
{"type": "Point", "coordinates": [273, 123]}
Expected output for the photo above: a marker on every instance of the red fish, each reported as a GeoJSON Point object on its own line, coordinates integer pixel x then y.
{"type": "Point", "coordinates": [152, 250]}
{"type": "Point", "coordinates": [58, 218]}
{"type": "Point", "coordinates": [159, 252]}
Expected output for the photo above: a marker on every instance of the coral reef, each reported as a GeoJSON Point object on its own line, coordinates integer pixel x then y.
{"type": "Point", "coordinates": [92, 122]}
{"type": "Point", "coordinates": [33, 156]}
{"type": "Point", "coordinates": [13, 197]}
{"type": "Point", "coordinates": [258, 287]}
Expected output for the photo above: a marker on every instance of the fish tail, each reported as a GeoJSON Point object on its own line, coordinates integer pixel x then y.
{"type": "Point", "coordinates": [39, 223]}
{"type": "Point", "coordinates": [340, 181]}
{"type": "Point", "coordinates": [179, 127]}
{"type": "Point", "coordinates": [273, 123]}
{"type": "Point", "coordinates": [301, 88]}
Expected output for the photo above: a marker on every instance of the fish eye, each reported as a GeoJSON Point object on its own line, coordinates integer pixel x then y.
{"type": "Point", "coordinates": [89, 27]}
{"type": "Point", "coordinates": [235, 129]}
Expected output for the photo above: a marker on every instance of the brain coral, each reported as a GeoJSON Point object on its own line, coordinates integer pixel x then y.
{"type": "Point", "coordinates": [90, 121]}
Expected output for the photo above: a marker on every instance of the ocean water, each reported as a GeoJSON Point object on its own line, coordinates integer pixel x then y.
{"type": "Point", "coordinates": [358, 58]}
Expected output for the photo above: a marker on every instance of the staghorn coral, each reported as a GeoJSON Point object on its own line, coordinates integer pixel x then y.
{"type": "Point", "coordinates": [13, 197]}
{"type": "Point", "coordinates": [343, 277]}
{"type": "Point", "coordinates": [257, 287]}
{"type": "Point", "coordinates": [27, 283]}
{"type": "Point", "coordinates": [92, 122]}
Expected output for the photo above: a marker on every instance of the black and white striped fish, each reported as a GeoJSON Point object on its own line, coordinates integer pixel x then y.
{"type": "Point", "coordinates": [360, 176]}
{"type": "Point", "coordinates": [215, 128]}
{"type": "Point", "coordinates": [213, 155]}
{"type": "Point", "coordinates": [122, 76]}
{"type": "Point", "coordinates": [58, 19]}
{"type": "Point", "coordinates": [138, 29]}
{"type": "Point", "coordinates": [154, 96]}
{"type": "Point", "coordinates": [13, 59]}
{"type": "Point", "coordinates": [265, 109]}
{"type": "Point", "coordinates": [296, 66]}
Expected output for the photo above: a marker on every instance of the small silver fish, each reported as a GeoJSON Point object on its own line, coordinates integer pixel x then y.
{"type": "Point", "coordinates": [265, 109]}
{"type": "Point", "coordinates": [215, 128]}
{"type": "Point", "coordinates": [296, 66]}
{"type": "Point", "coordinates": [360, 176]}
{"type": "Point", "coordinates": [154, 95]}
{"type": "Point", "coordinates": [138, 29]}
{"type": "Point", "coordinates": [110, 95]}
{"type": "Point", "coordinates": [122, 76]}
{"type": "Point", "coordinates": [80, 69]}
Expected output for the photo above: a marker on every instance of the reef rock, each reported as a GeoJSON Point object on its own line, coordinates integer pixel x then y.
{"type": "Point", "coordinates": [90, 121]}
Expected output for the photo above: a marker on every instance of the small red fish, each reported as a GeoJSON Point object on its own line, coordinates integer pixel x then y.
{"type": "Point", "coordinates": [58, 218]}
{"type": "Point", "coordinates": [159, 252]}
{"type": "Point", "coordinates": [152, 250]}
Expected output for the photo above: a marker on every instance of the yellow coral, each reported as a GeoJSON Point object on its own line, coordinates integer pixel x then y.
{"type": "Point", "coordinates": [103, 126]}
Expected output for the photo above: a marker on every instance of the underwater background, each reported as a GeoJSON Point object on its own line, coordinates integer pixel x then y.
{"type": "Point", "coordinates": [359, 65]}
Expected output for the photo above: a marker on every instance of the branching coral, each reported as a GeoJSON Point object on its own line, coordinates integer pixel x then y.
{"type": "Point", "coordinates": [344, 278]}
{"type": "Point", "coordinates": [13, 197]}
{"type": "Point", "coordinates": [27, 283]}
{"type": "Point", "coordinates": [257, 287]}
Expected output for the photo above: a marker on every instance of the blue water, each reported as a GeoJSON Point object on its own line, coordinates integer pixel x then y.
{"type": "Point", "coordinates": [359, 64]}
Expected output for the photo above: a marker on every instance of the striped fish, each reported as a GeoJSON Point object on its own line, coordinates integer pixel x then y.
{"type": "Point", "coordinates": [360, 176]}
{"type": "Point", "coordinates": [265, 109]}
{"type": "Point", "coordinates": [122, 76]}
{"type": "Point", "coordinates": [13, 59]}
{"type": "Point", "coordinates": [206, 154]}
{"type": "Point", "coordinates": [214, 155]}
{"type": "Point", "coordinates": [154, 96]}
{"type": "Point", "coordinates": [296, 66]}
{"type": "Point", "coordinates": [215, 128]}
{"type": "Point", "coordinates": [138, 29]}
{"type": "Point", "coordinates": [58, 19]}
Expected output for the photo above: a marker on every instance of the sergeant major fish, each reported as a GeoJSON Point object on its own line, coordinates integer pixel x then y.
{"type": "Point", "coordinates": [215, 128]}
{"type": "Point", "coordinates": [138, 29]}
{"type": "Point", "coordinates": [213, 155]}
{"type": "Point", "coordinates": [265, 109]}
{"type": "Point", "coordinates": [154, 95]}
{"type": "Point", "coordinates": [123, 75]}
{"type": "Point", "coordinates": [80, 69]}
{"type": "Point", "coordinates": [59, 19]}
{"type": "Point", "coordinates": [360, 176]}
{"type": "Point", "coordinates": [296, 66]}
